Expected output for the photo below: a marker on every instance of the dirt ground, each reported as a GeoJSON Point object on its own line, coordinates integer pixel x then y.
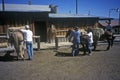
{"type": "Point", "coordinates": [60, 65]}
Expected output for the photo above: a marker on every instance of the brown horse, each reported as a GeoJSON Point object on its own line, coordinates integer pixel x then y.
{"type": "Point", "coordinates": [108, 35]}
{"type": "Point", "coordinates": [17, 39]}
{"type": "Point", "coordinates": [52, 33]}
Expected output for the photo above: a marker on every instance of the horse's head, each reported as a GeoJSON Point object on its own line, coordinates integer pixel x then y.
{"type": "Point", "coordinates": [68, 33]}
{"type": "Point", "coordinates": [53, 29]}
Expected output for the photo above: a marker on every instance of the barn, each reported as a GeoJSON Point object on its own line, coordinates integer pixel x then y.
{"type": "Point", "coordinates": [41, 18]}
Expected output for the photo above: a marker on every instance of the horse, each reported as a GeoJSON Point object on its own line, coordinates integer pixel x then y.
{"type": "Point", "coordinates": [52, 33]}
{"type": "Point", "coordinates": [17, 39]}
{"type": "Point", "coordinates": [110, 38]}
{"type": "Point", "coordinates": [103, 35]}
{"type": "Point", "coordinates": [98, 34]}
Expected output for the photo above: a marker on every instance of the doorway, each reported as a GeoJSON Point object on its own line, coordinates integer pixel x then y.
{"type": "Point", "coordinates": [41, 30]}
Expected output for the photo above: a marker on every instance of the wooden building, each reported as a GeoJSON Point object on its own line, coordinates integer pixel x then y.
{"type": "Point", "coordinates": [40, 18]}
{"type": "Point", "coordinates": [66, 21]}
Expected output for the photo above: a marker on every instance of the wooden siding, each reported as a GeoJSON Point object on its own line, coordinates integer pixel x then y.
{"type": "Point", "coordinates": [16, 19]}
{"type": "Point", "coordinates": [62, 25]}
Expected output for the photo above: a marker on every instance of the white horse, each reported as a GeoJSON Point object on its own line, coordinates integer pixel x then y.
{"type": "Point", "coordinates": [17, 39]}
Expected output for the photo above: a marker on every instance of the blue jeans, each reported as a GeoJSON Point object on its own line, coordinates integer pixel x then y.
{"type": "Point", "coordinates": [75, 49]}
{"type": "Point", "coordinates": [29, 47]}
{"type": "Point", "coordinates": [89, 47]}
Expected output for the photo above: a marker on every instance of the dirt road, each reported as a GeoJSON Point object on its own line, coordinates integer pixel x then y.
{"type": "Point", "coordinates": [60, 65]}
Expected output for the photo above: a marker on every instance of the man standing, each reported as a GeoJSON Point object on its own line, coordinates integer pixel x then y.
{"type": "Point", "coordinates": [76, 41]}
{"type": "Point", "coordinates": [108, 27]}
{"type": "Point", "coordinates": [28, 34]}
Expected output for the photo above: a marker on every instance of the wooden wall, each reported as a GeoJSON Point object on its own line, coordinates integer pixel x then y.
{"type": "Point", "coordinates": [17, 19]}
{"type": "Point", "coordinates": [63, 25]}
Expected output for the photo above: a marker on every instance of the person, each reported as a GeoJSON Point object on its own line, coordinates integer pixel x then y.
{"type": "Point", "coordinates": [90, 41]}
{"type": "Point", "coordinates": [76, 41]}
{"type": "Point", "coordinates": [109, 37]}
{"type": "Point", "coordinates": [108, 27]}
{"type": "Point", "coordinates": [29, 41]}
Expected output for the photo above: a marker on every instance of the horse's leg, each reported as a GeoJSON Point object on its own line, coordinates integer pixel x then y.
{"type": "Point", "coordinates": [84, 49]}
{"type": "Point", "coordinates": [17, 53]}
{"type": "Point", "coordinates": [109, 43]}
{"type": "Point", "coordinates": [112, 40]}
{"type": "Point", "coordinates": [94, 45]}
{"type": "Point", "coordinates": [16, 49]}
{"type": "Point", "coordinates": [21, 51]}
{"type": "Point", "coordinates": [53, 37]}
{"type": "Point", "coordinates": [50, 37]}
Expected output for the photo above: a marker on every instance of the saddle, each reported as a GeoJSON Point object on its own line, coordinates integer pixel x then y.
{"type": "Point", "coordinates": [85, 38]}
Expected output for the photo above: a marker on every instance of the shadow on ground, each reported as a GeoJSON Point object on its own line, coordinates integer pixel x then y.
{"type": "Point", "coordinates": [7, 57]}
{"type": "Point", "coordinates": [68, 54]}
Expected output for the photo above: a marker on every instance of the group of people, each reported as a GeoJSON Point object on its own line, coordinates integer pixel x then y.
{"type": "Point", "coordinates": [88, 47]}
{"type": "Point", "coordinates": [76, 41]}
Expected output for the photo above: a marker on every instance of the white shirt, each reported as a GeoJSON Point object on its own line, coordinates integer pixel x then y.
{"type": "Point", "coordinates": [90, 36]}
{"type": "Point", "coordinates": [28, 35]}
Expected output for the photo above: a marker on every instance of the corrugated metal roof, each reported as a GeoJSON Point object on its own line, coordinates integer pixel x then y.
{"type": "Point", "coordinates": [51, 15]}
{"type": "Point", "coordinates": [26, 8]}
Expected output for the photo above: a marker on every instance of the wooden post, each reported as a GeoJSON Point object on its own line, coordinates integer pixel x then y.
{"type": "Point", "coordinates": [56, 43]}
{"type": "Point", "coordinates": [37, 38]}
{"type": "Point", "coordinates": [38, 43]}
{"type": "Point", "coordinates": [3, 5]}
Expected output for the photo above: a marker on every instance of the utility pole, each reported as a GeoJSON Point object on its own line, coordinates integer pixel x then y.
{"type": "Point", "coordinates": [30, 2]}
{"type": "Point", "coordinates": [117, 10]}
{"type": "Point", "coordinates": [3, 5]}
{"type": "Point", "coordinates": [76, 6]}
{"type": "Point", "coordinates": [119, 15]}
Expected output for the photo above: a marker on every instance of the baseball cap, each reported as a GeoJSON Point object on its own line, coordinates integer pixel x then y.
{"type": "Point", "coordinates": [27, 26]}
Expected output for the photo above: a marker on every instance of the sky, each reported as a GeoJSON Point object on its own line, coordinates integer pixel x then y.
{"type": "Point", "coordinates": [93, 7]}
